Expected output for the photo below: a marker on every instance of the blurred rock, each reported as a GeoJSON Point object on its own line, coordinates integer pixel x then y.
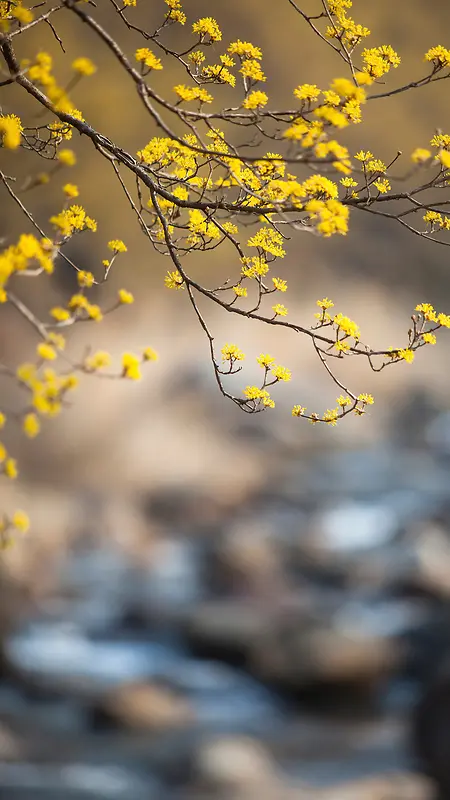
{"type": "Point", "coordinates": [61, 657]}
{"type": "Point", "coordinates": [431, 548]}
{"type": "Point", "coordinates": [224, 698]}
{"type": "Point", "coordinates": [144, 706]}
{"type": "Point", "coordinates": [407, 786]}
{"type": "Point", "coordinates": [295, 655]}
{"type": "Point", "coordinates": [352, 528]}
{"type": "Point", "coordinates": [234, 763]}
{"type": "Point", "coordinates": [225, 629]}
{"type": "Point", "coordinates": [247, 560]}
{"type": "Point", "coordinates": [173, 579]}
{"type": "Point", "coordinates": [431, 729]}
{"type": "Point", "coordinates": [75, 781]}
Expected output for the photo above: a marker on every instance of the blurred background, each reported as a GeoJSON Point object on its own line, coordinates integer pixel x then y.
{"type": "Point", "coordinates": [211, 604]}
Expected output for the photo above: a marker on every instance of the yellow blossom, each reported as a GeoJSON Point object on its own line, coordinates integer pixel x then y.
{"type": "Point", "coordinates": [197, 57]}
{"type": "Point", "coordinates": [175, 14]}
{"type": "Point", "coordinates": [125, 297]}
{"type": "Point", "coordinates": [46, 351]}
{"type": "Point", "coordinates": [78, 301]}
{"type": "Point", "coordinates": [66, 157]}
{"type": "Point", "coordinates": [298, 411]}
{"type": "Point", "coordinates": [85, 279]}
{"type": "Point", "coordinates": [71, 190]}
{"type": "Point", "coordinates": [383, 185]}
{"type": "Point", "coordinates": [347, 326]}
{"type": "Point", "coordinates": [325, 303]}
{"type": "Point", "coordinates": [444, 320]}
{"type": "Point", "coordinates": [428, 312]}
{"type": "Point", "coordinates": [265, 360]}
{"type": "Point", "coordinates": [331, 416]}
{"type": "Point", "coordinates": [376, 165]}
{"type": "Point", "coordinates": [439, 55]}
{"type": "Point", "coordinates": [255, 100]}
{"type": "Point", "coordinates": [342, 347]}
{"type": "Point", "coordinates": [279, 310]}
{"type": "Point", "coordinates": [433, 217]}
{"type": "Point", "coordinates": [174, 280]}
{"type": "Point", "coordinates": [252, 69]}
{"type": "Point", "coordinates": [60, 314]}
{"type": "Point", "coordinates": [208, 28]}
{"type": "Point", "coordinates": [10, 131]}
{"type": "Point", "coordinates": [147, 57]}
{"type": "Point", "coordinates": [281, 373]}
{"type": "Point", "coordinates": [22, 15]}
{"type": "Point", "coordinates": [307, 91]}
{"type": "Point", "coordinates": [84, 66]}
{"type": "Point", "coordinates": [10, 468]}
{"type": "Point", "coordinates": [57, 340]}
{"type": "Point", "coordinates": [117, 246]}
{"type": "Point", "coordinates": [279, 284]}
{"type": "Point", "coordinates": [98, 360]}
{"type": "Point", "coordinates": [231, 352]}
{"type": "Point", "coordinates": [367, 399]}
{"type": "Point", "coordinates": [268, 239]}
{"type": "Point", "coordinates": [407, 355]}
{"type": "Point", "coordinates": [149, 354]}
{"type": "Point", "coordinates": [94, 312]}
{"type": "Point", "coordinates": [245, 50]}
{"type": "Point", "coordinates": [420, 155]}
{"type": "Point", "coordinates": [189, 93]}
{"type": "Point", "coordinates": [20, 521]}
{"type": "Point", "coordinates": [31, 425]}
{"type": "Point", "coordinates": [131, 366]}
{"type": "Point", "coordinates": [253, 392]}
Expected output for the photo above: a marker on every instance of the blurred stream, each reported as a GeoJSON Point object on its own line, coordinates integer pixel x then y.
{"type": "Point", "coordinates": [306, 630]}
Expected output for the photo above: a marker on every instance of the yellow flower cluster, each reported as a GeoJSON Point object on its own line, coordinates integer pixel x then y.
{"type": "Point", "coordinates": [346, 326]}
{"type": "Point", "coordinates": [343, 27]}
{"type": "Point", "coordinates": [14, 12]}
{"type": "Point", "coordinates": [251, 69]}
{"type": "Point", "coordinates": [189, 93]}
{"type": "Point", "coordinates": [379, 60]}
{"type": "Point", "coordinates": [269, 240]}
{"type": "Point", "coordinates": [29, 252]}
{"type": "Point", "coordinates": [175, 13]}
{"type": "Point", "coordinates": [174, 280]}
{"type": "Point", "coordinates": [255, 100]}
{"type": "Point", "coordinates": [84, 66]}
{"type": "Point", "coordinates": [148, 58]}
{"type": "Point", "coordinates": [245, 50]}
{"type": "Point", "coordinates": [208, 30]}
{"type": "Point", "coordinates": [73, 219]}
{"type": "Point", "coordinates": [10, 131]}
{"type": "Point", "coordinates": [259, 396]}
{"type": "Point", "coordinates": [200, 227]}
{"type": "Point", "coordinates": [331, 216]}
{"type": "Point", "coordinates": [439, 55]}
{"type": "Point", "coordinates": [41, 72]}
{"type": "Point", "coordinates": [231, 352]}
{"type": "Point", "coordinates": [47, 388]}
{"type": "Point", "coordinates": [218, 73]}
